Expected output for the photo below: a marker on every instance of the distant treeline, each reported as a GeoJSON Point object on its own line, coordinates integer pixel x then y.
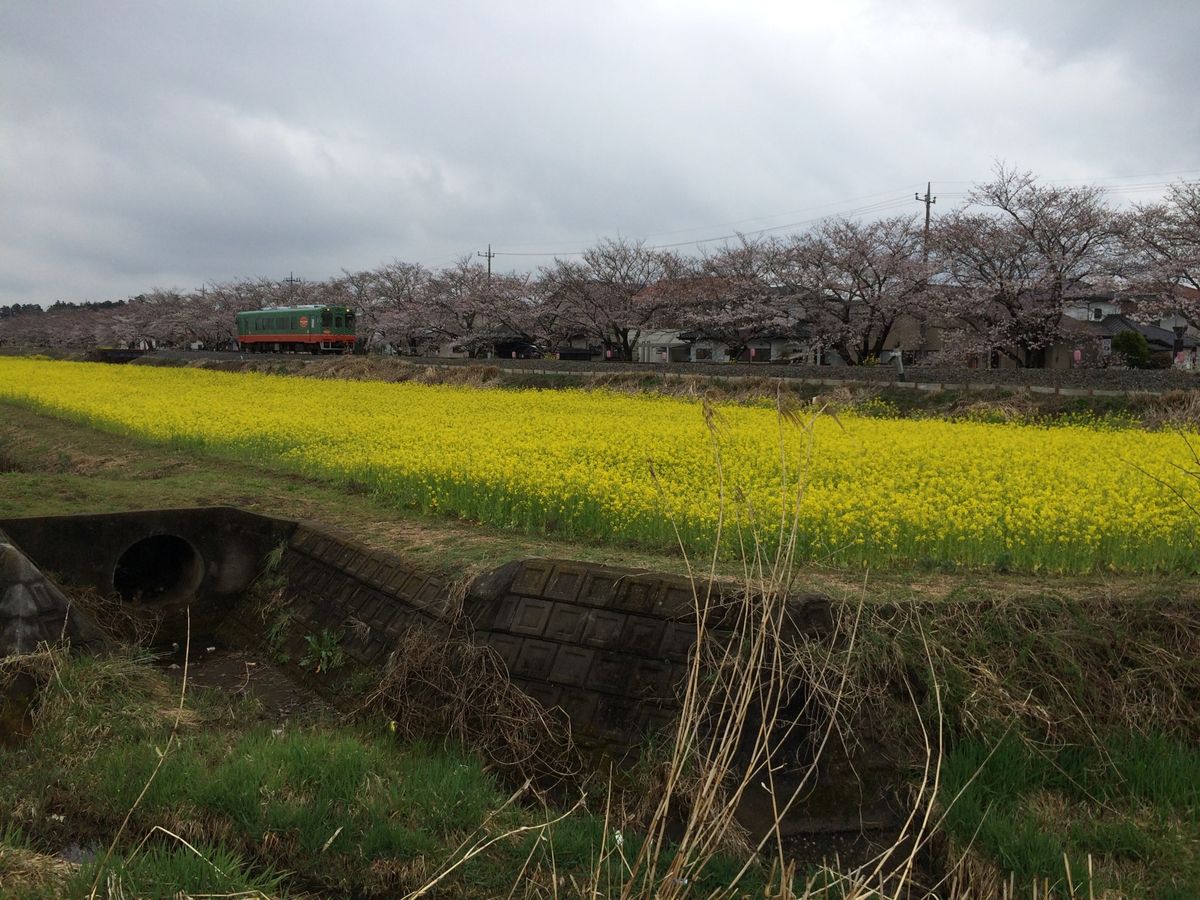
{"type": "Point", "coordinates": [995, 277]}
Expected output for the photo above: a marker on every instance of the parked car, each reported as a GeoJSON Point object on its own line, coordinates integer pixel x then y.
{"type": "Point", "coordinates": [518, 350]}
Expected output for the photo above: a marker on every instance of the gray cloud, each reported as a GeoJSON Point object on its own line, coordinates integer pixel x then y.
{"type": "Point", "coordinates": [165, 145]}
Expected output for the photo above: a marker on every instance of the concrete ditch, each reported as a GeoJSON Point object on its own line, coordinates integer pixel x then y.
{"type": "Point", "coordinates": [609, 647]}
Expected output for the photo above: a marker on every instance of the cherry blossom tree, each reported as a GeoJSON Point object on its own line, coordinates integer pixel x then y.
{"type": "Point", "coordinates": [604, 294]}
{"type": "Point", "coordinates": [1009, 267]}
{"type": "Point", "coordinates": [728, 296]}
{"type": "Point", "coordinates": [457, 303]}
{"type": "Point", "coordinates": [853, 281]}
{"type": "Point", "coordinates": [1163, 245]}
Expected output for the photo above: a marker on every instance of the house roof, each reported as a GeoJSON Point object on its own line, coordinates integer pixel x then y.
{"type": "Point", "coordinates": [1112, 325]}
{"type": "Point", "coordinates": [800, 332]}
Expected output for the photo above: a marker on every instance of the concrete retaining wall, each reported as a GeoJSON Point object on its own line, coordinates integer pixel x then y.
{"type": "Point", "coordinates": [609, 646]}
{"type": "Point", "coordinates": [226, 545]}
{"type": "Point", "coordinates": [33, 610]}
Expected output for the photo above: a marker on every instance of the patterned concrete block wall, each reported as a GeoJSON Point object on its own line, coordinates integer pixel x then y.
{"type": "Point", "coordinates": [608, 646]}
{"type": "Point", "coordinates": [361, 598]}
{"type": "Point", "coordinates": [371, 596]}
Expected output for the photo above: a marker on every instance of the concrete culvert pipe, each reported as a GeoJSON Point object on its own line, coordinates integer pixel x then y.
{"type": "Point", "coordinates": [163, 568]}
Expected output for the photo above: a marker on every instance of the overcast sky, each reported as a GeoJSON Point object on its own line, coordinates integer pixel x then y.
{"type": "Point", "coordinates": [171, 144]}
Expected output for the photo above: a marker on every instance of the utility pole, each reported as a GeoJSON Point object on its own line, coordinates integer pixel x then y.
{"type": "Point", "coordinates": [488, 256]}
{"type": "Point", "coordinates": [292, 281]}
{"type": "Point", "coordinates": [928, 200]}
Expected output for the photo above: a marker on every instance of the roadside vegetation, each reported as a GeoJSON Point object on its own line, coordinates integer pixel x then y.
{"type": "Point", "coordinates": [1051, 750]}
{"type": "Point", "coordinates": [1068, 734]}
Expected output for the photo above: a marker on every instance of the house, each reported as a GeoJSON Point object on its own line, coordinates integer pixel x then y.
{"type": "Point", "coordinates": [662, 346]}
{"type": "Point", "coordinates": [676, 345]}
{"type": "Point", "coordinates": [1094, 307]}
{"type": "Point", "coordinates": [1089, 342]}
{"type": "Point", "coordinates": [1089, 320]}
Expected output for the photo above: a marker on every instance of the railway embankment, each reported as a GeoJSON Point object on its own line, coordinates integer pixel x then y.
{"type": "Point", "coordinates": [1066, 382]}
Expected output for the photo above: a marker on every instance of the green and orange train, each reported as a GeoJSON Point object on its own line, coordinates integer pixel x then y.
{"type": "Point", "coordinates": [312, 329]}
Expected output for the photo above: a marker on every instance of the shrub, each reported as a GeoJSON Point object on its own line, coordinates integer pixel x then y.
{"type": "Point", "coordinates": [1131, 346]}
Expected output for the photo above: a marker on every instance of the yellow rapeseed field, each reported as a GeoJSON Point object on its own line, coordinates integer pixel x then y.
{"type": "Point", "coordinates": [611, 467]}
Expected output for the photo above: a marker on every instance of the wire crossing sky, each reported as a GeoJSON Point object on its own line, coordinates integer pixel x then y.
{"type": "Point", "coordinates": [167, 145]}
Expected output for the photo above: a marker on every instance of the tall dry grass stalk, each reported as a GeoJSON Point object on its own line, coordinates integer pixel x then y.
{"type": "Point", "coordinates": [754, 690]}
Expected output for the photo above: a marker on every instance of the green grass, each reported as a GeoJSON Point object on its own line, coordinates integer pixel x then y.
{"type": "Point", "coordinates": [1131, 802]}
{"type": "Point", "coordinates": [330, 807]}
{"type": "Point", "coordinates": [1070, 728]}
{"type": "Point", "coordinates": [150, 872]}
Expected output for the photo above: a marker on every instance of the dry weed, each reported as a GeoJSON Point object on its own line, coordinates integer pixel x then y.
{"type": "Point", "coordinates": [1175, 409]}
{"type": "Point", "coordinates": [438, 682]}
{"type": "Point", "coordinates": [27, 873]}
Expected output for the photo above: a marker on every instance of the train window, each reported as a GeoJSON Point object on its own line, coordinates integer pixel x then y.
{"type": "Point", "coordinates": [326, 318]}
{"type": "Point", "coordinates": [349, 320]}
{"type": "Point", "coordinates": [337, 322]}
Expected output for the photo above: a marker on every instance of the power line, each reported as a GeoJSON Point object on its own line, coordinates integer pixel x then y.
{"type": "Point", "coordinates": [882, 206]}
{"type": "Point", "coordinates": [731, 224]}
